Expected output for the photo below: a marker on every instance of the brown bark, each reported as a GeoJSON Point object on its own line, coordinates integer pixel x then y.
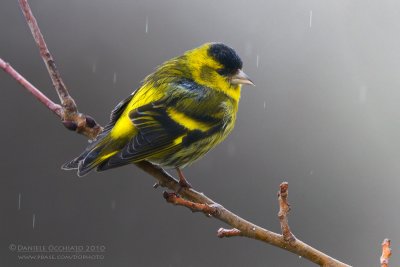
{"type": "Point", "coordinates": [386, 253]}
{"type": "Point", "coordinates": [284, 209]}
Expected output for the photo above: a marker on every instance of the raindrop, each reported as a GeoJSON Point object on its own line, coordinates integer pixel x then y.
{"type": "Point", "coordinates": [113, 203]}
{"type": "Point", "coordinates": [257, 60]}
{"type": "Point", "coordinates": [147, 24]}
{"type": "Point", "coordinates": [94, 67]}
{"type": "Point", "coordinates": [310, 18]}
{"type": "Point", "coordinates": [311, 172]}
{"type": "Point", "coordinates": [33, 221]}
{"type": "Point", "coordinates": [115, 78]}
{"type": "Point", "coordinates": [253, 228]}
{"type": "Point", "coordinates": [265, 105]}
{"type": "Point", "coordinates": [362, 94]}
{"type": "Point", "coordinates": [300, 257]}
{"type": "Point", "coordinates": [19, 201]}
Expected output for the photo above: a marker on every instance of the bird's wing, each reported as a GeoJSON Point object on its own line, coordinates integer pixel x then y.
{"type": "Point", "coordinates": [157, 133]}
{"type": "Point", "coordinates": [160, 130]}
{"type": "Point", "coordinates": [117, 111]}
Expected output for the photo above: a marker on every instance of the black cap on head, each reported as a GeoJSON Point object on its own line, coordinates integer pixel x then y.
{"type": "Point", "coordinates": [227, 57]}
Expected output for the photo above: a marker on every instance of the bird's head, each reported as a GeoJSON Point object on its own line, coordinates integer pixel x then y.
{"type": "Point", "coordinates": [217, 66]}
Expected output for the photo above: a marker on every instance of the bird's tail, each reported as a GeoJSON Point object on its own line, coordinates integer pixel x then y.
{"type": "Point", "coordinates": [93, 156]}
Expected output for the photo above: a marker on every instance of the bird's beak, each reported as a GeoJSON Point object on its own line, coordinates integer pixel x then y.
{"type": "Point", "coordinates": [241, 78]}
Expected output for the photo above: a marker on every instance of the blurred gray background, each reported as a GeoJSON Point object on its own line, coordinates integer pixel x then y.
{"type": "Point", "coordinates": [324, 116]}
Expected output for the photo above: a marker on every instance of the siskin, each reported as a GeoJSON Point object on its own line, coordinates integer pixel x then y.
{"type": "Point", "coordinates": [182, 110]}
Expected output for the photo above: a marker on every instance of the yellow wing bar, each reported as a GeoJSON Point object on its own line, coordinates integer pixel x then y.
{"type": "Point", "coordinates": [187, 121]}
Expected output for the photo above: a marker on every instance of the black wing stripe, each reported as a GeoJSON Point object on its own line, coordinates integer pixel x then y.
{"type": "Point", "coordinates": [156, 134]}
{"type": "Point", "coordinates": [117, 112]}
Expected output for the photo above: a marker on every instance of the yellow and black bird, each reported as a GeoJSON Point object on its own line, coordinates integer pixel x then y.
{"type": "Point", "coordinates": [181, 111]}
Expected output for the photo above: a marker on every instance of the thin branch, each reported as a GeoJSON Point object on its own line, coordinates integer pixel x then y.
{"type": "Point", "coordinates": [188, 197]}
{"type": "Point", "coordinates": [173, 198]}
{"type": "Point", "coordinates": [72, 119]}
{"type": "Point", "coordinates": [57, 109]}
{"type": "Point", "coordinates": [386, 253]}
{"type": "Point", "coordinates": [65, 98]}
{"type": "Point", "coordinates": [222, 232]}
{"type": "Point", "coordinates": [284, 209]}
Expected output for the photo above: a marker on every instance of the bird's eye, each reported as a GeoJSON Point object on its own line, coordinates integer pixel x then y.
{"type": "Point", "coordinates": [223, 72]}
{"type": "Point", "coordinates": [220, 71]}
{"type": "Point", "coordinates": [226, 72]}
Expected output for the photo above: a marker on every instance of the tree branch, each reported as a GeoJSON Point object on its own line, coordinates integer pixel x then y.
{"type": "Point", "coordinates": [386, 253]}
{"type": "Point", "coordinates": [222, 232]}
{"type": "Point", "coordinates": [85, 125]}
{"type": "Point", "coordinates": [284, 209]}
{"type": "Point", "coordinates": [57, 109]}
{"type": "Point", "coordinates": [173, 198]}
{"type": "Point", "coordinates": [72, 119]}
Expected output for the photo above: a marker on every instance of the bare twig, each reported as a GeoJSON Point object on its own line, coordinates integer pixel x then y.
{"type": "Point", "coordinates": [65, 98]}
{"type": "Point", "coordinates": [189, 197]}
{"type": "Point", "coordinates": [72, 119]}
{"type": "Point", "coordinates": [284, 209]}
{"type": "Point", "coordinates": [246, 228]}
{"type": "Point", "coordinates": [193, 206]}
{"type": "Point", "coordinates": [57, 109]}
{"type": "Point", "coordinates": [222, 232]}
{"type": "Point", "coordinates": [386, 253]}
